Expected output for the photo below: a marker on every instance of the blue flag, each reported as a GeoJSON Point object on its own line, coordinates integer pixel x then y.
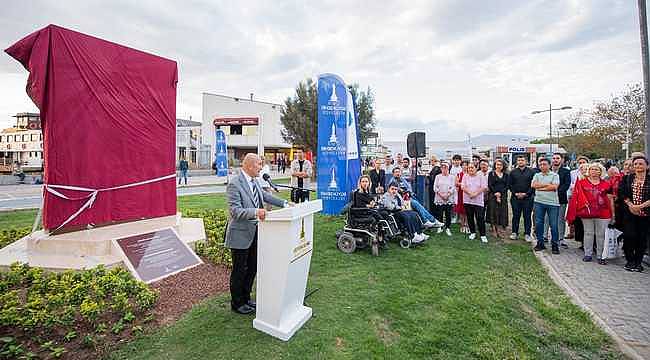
{"type": "Point", "coordinates": [331, 173]}
{"type": "Point", "coordinates": [221, 153]}
{"type": "Point", "coordinates": [352, 137]}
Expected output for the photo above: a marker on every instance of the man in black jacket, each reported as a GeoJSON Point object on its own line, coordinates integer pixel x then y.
{"type": "Point", "coordinates": [521, 200]}
{"type": "Point", "coordinates": [377, 178]}
{"type": "Point", "coordinates": [557, 166]}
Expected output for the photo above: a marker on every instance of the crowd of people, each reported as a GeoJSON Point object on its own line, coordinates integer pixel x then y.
{"type": "Point", "coordinates": [555, 202]}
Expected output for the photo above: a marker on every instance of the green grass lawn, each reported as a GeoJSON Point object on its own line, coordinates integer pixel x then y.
{"type": "Point", "coordinates": [450, 299]}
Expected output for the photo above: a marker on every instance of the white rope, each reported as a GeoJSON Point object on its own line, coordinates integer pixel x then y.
{"type": "Point", "coordinates": [92, 196]}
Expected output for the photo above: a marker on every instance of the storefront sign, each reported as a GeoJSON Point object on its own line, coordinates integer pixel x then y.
{"type": "Point", "coordinates": [227, 121]}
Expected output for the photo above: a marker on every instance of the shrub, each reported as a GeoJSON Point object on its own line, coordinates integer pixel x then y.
{"type": "Point", "coordinates": [8, 236]}
{"type": "Point", "coordinates": [61, 305]}
{"type": "Point", "coordinates": [214, 221]}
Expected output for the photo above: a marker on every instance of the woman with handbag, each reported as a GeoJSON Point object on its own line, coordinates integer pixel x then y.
{"type": "Point", "coordinates": [634, 191]}
{"type": "Point", "coordinates": [593, 203]}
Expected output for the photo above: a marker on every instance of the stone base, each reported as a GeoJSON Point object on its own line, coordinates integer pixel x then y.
{"type": "Point", "coordinates": [86, 249]}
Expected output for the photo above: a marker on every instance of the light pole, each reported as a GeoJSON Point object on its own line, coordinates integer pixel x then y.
{"type": "Point", "coordinates": [643, 28]}
{"type": "Point", "coordinates": [550, 121]}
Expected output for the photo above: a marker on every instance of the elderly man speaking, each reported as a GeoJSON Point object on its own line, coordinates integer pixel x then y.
{"type": "Point", "coordinates": [246, 206]}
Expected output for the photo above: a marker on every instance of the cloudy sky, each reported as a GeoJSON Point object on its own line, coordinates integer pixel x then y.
{"type": "Point", "coordinates": [447, 67]}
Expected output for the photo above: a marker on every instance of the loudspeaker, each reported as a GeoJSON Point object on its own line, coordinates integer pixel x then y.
{"type": "Point", "coordinates": [415, 144]}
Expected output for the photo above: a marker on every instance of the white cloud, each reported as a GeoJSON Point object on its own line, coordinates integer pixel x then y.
{"type": "Point", "coordinates": [449, 67]}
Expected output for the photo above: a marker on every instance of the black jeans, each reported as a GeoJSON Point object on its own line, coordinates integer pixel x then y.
{"type": "Point", "coordinates": [244, 269]}
{"type": "Point", "coordinates": [445, 212]}
{"type": "Point", "coordinates": [475, 213]}
{"type": "Point", "coordinates": [636, 237]}
{"type": "Point", "coordinates": [579, 230]}
{"type": "Point", "coordinates": [520, 206]}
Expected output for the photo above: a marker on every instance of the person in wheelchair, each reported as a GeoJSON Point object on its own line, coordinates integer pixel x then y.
{"type": "Point", "coordinates": [364, 206]}
{"type": "Point", "coordinates": [409, 219]}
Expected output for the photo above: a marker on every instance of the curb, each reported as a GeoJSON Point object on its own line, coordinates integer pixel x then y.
{"type": "Point", "coordinates": [622, 344]}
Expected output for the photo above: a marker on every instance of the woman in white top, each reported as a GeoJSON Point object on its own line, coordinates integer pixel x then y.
{"type": "Point", "coordinates": [445, 195]}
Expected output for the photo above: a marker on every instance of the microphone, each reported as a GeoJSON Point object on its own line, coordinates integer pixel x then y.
{"type": "Point", "coordinates": [267, 178]}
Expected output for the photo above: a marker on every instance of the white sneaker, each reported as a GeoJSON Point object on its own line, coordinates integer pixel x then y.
{"type": "Point", "coordinates": [513, 236]}
{"type": "Point", "coordinates": [472, 236]}
{"type": "Point", "coordinates": [440, 230]}
{"type": "Point", "coordinates": [429, 224]}
{"type": "Point", "coordinates": [424, 236]}
{"type": "Point", "coordinates": [484, 239]}
{"type": "Point", "coordinates": [448, 232]}
{"type": "Point", "coordinates": [438, 224]}
{"type": "Point", "coordinates": [528, 238]}
{"type": "Point", "coordinates": [417, 238]}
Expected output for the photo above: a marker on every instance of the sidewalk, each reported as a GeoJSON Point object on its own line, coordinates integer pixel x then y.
{"type": "Point", "coordinates": [618, 300]}
{"type": "Point", "coordinates": [207, 180]}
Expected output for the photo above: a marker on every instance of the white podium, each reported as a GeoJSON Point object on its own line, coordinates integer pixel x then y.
{"type": "Point", "coordinates": [284, 245]}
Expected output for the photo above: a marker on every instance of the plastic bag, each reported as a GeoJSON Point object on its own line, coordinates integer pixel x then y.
{"type": "Point", "coordinates": [610, 247]}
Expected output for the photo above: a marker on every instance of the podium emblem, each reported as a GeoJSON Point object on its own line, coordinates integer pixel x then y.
{"type": "Point", "coordinates": [303, 246]}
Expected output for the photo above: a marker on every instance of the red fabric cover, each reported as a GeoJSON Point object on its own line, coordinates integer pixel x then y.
{"type": "Point", "coordinates": [109, 119]}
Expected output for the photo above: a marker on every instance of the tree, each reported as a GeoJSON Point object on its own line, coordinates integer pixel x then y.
{"type": "Point", "coordinates": [364, 109]}
{"type": "Point", "coordinates": [299, 116]}
{"type": "Point", "coordinates": [600, 132]}
{"type": "Point", "coordinates": [622, 114]}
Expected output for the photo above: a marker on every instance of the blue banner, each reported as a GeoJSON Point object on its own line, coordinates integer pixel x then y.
{"type": "Point", "coordinates": [331, 173]}
{"type": "Point", "coordinates": [352, 147]}
{"type": "Point", "coordinates": [221, 153]}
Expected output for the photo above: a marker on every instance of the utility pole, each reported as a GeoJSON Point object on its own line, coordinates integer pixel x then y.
{"type": "Point", "coordinates": [643, 28]}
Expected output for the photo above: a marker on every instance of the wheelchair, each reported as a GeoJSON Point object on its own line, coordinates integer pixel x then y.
{"type": "Point", "coordinates": [362, 230]}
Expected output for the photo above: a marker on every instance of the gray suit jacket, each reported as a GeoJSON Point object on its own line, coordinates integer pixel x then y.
{"type": "Point", "coordinates": [243, 213]}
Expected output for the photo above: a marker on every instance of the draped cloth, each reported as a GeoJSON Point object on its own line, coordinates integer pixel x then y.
{"type": "Point", "coordinates": [108, 114]}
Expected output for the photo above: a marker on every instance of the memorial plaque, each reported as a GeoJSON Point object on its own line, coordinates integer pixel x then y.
{"type": "Point", "coordinates": [155, 255]}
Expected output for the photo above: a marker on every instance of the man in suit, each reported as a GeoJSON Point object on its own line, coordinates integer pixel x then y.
{"type": "Point", "coordinates": [246, 207]}
{"type": "Point", "coordinates": [378, 178]}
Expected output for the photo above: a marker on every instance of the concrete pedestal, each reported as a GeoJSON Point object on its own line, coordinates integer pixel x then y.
{"type": "Point", "coordinates": [88, 248]}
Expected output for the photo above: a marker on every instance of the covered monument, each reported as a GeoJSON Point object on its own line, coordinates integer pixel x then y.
{"type": "Point", "coordinates": [109, 128]}
{"type": "Point", "coordinates": [109, 123]}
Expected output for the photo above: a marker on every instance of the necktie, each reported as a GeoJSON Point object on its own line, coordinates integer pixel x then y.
{"type": "Point", "coordinates": [256, 195]}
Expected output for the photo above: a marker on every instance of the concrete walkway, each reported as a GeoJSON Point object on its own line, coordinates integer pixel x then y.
{"type": "Point", "coordinates": [618, 300]}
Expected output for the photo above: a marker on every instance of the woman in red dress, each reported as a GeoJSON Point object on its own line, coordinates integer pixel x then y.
{"type": "Point", "coordinates": [460, 208]}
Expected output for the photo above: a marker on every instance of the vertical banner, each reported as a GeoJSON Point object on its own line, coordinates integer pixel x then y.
{"type": "Point", "coordinates": [221, 154]}
{"type": "Point", "coordinates": [352, 147]}
{"type": "Point", "coordinates": [332, 139]}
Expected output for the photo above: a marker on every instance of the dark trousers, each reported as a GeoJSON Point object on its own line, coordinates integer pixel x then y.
{"type": "Point", "coordinates": [519, 207]}
{"type": "Point", "coordinates": [444, 211]}
{"type": "Point", "coordinates": [636, 237]}
{"type": "Point", "coordinates": [244, 269]}
{"type": "Point", "coordinates": [474, 218]}
{"type": "Point", "coordinates": [579, 230]}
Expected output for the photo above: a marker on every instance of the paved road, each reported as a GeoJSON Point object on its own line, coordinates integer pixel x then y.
{"type": "Point", "coordinates": [14, 202]}
{"type": "Point", "coordinates": [15, 197]}
{"type": "Point", "coordinates": [619, 299]}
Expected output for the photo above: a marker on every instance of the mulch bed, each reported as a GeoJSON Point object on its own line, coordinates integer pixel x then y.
{"type": "Point", "coordinates": [178, 293]}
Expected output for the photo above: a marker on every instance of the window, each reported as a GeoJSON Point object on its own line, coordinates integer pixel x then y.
{"type": "Point", "coordinates": [2, 138]}
{"type": "Point", "coordinates": [25, 137]}
{"type": "Point", "coordinates": [181, 153]}
{"type": "Point", "coordinates": [10, 138]}
{"type": "Point", "coordinates": [40, 137]}
{"type": "Point", "coordinates": [235, 129]}
{"type": "Point", "coordinates": [34, 137]}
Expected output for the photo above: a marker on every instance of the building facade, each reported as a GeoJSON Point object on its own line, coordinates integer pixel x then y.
{"type": "Point", "coordinates": [188, 143]}
{"type": "Point", "coordinates": [246, 123]}
{"type": "Point", "coordinates": [22, 144]}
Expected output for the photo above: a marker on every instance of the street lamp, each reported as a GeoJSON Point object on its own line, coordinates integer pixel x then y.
{"type": "Point", "coordinates": [550, 121]}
